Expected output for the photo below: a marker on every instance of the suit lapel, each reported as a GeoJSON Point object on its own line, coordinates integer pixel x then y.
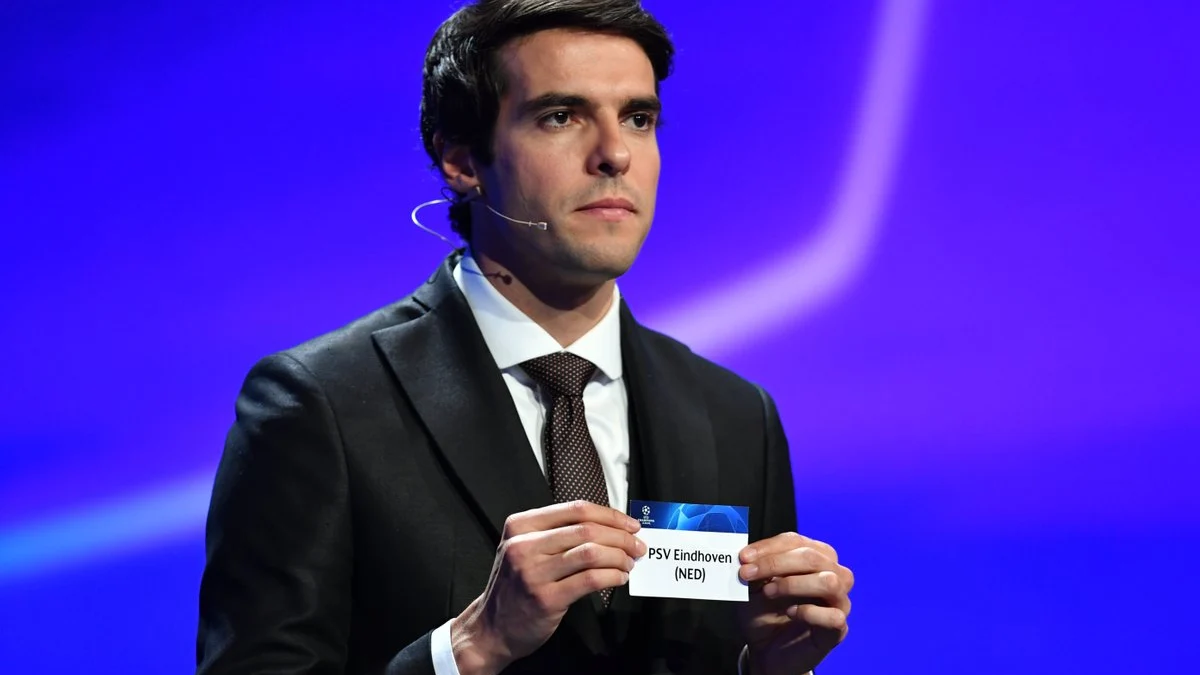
{"type": "Point", "coordinates": [678, 453]}
{"type": "Point", "coordinates": [673, 458]}
{"type": "Point", "coordinates": [443, 365]}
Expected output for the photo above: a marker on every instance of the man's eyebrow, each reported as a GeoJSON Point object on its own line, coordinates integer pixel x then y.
{"type": "Point", "coordinates": [644, 103]}
{"type": "Point", "coordinates": [562, 100]}
{"type": "Point", "coordinates": [552, 99]}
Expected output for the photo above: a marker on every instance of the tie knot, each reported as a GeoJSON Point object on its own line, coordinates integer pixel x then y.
{"type": "Point", "coordinates": [564, 374]}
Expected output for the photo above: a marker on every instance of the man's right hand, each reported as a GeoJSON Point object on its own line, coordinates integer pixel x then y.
{"type": "Point", "coordinates": [547, 559]}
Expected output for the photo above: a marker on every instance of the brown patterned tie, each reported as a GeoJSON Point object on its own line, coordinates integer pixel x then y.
{"type": "Point", "coordinates": [572, 464]}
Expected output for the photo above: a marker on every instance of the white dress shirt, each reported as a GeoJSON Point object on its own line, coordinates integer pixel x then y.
{"type": "Point", "coordinates": [513, 338]}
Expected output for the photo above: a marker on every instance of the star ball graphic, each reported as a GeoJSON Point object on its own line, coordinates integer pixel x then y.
{"type": "Point", "coordinates": [693, 517]}
{"type": "Point", "coordinates": [707, 518]}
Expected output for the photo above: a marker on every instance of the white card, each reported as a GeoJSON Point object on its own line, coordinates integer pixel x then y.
{"type": "Point", "coordinates": [692, 551]}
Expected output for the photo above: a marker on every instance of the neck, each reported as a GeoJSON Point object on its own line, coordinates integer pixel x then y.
{"type": "Point", "coordinates": [564, 311]}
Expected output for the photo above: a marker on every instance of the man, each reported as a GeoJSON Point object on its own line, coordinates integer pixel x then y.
{"type": "Point", "coordinates": [439, 487]}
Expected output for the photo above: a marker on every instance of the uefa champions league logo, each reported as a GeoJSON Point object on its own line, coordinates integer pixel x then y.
{"type": "Point", "coordinates": [646, 520]}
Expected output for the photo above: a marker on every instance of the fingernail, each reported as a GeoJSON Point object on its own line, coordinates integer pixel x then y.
{"type": "Point", "coordinates": [634, 525]}
{"type": "Point", "coordinates": [749, 571]}
{"type": "Point", "coordinates": [793, 611]}
{"type": "Point", "coordinates": [641, 547]}
{"type": "Point", "coordinates": [749, 555]}
{"type": "Point", "coordinates": [629, 565]}
{"type": "Point", "coordinates": [624, 577]}
{"type": "Point", "coordinates": [771, 590]}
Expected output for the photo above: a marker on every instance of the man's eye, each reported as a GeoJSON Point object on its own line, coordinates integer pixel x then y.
{"type": "Point", "coordinates": [557, 119]}
{"type": "Point", "coordinates": [641, 120]}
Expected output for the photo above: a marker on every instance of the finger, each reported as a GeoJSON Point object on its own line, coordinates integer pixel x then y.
{"type": "Point", "coordinates": [567, 513]}
{"type": "Point", "coordinates": [826, 586]}
{"type": "Point", "coordinates": [772, 545]}
{"type": "Point", "coordinates": [568, 537]}
{"type": "Point", "coordinates": [588, 581]}
{"type": "Point", "coordinates": [784, 542]}
{"type": "Point", "coordinates": [803, 560]}
{"type": "Point", "coordinates": [829, 551]}
{"type": "Point", "coordinates": [584, 557]}
{"type": "Point", "coordinates": [821, 619]}
{"type": "Point", "coordinates": [544, 557]}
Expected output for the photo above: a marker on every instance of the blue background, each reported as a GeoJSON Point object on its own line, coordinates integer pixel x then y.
{"type": "Point", "coordinates": [956, 240]}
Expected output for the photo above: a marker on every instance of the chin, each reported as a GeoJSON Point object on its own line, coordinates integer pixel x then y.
{"type": "Point", "coordinates": [610, 267]}
{"type": "Point", "coordinates": [593, 266]}
{"type": "Point", "coordinates": [592, 257]}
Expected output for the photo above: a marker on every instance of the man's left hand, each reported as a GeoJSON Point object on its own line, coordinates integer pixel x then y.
{"type": "Point", "coordinates": [799, 601]}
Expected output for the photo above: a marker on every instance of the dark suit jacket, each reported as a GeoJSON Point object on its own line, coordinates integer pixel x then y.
{"type": "Point", "coordinates": [366, 480]}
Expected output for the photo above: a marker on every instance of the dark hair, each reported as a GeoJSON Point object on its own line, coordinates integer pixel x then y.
{"type": "Point", "coordinates": [461, 80]}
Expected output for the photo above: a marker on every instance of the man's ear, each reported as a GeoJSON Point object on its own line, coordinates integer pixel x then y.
{"type": "Point", "coordinates": [457, 165]}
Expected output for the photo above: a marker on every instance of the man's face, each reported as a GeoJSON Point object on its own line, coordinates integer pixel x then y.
{"type": "Point", "coordinates": [575, 146]}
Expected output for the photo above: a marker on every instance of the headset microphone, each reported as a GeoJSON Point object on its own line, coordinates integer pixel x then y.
{"type": "Point", "coordinates": [535, 224]}
{"type": "Point", "coordinates": [540, 225]}
{"type": "Point", "coordinates": [507, 279]}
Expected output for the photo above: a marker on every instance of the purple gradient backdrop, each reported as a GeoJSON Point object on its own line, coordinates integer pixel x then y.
{"type": "Point", "coordinates": [995, 418]}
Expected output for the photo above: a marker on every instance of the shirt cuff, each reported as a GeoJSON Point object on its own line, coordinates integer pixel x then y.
{"type": "Point", "coordinates": [443, 651]}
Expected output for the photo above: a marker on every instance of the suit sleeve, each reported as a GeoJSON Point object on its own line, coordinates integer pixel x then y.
{"type": "Point", "coordinates": [276, 592]}
{"type": "Point", "coordinates": [275, 595]}
{"type": "Point", "coordinates": [779, 496]}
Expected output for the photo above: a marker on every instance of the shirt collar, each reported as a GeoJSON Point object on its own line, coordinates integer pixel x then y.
{"type": "Point", "coordinates": [512, 337]}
